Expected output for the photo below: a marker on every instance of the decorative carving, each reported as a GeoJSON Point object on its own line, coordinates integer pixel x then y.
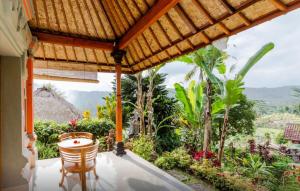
{"type": "Point", "coordinates": [110, 140]}
{"type": "Point", "coordinates": [118, 55]}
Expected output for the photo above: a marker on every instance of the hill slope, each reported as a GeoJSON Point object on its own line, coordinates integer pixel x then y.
{"type": "Point", "coordinates": [272, 97]}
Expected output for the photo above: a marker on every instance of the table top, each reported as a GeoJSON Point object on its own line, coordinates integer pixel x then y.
{"type": "Point", "coordinates": [81, 142]}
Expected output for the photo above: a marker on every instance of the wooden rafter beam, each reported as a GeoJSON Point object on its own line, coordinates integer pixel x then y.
{"type": "Point", "coordinates": [160, 8]}
{"type": "Point", "coordinates": [232, 10]}
{"type": "Point", "coordinates": [278, 4]}
{"type": "Point", "coordinates": [40, 63]}
{"type": "Point", "coordinates": [65, 79]}
{"type": "Point", "coordinates": [73, 41]}
{"type": "Point", "coordinates": [263, 19]}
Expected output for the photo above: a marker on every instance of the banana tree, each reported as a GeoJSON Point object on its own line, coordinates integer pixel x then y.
{"type": "Point", "coordinates": [192, 102]}
{"type": "Point", "coordinates": [233, 89]}
{"type": "Point", "coordinates": [205, 60]}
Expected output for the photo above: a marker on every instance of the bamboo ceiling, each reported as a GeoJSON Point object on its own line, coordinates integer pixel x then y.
{"type": "Point", "coordinates": [80, 34]}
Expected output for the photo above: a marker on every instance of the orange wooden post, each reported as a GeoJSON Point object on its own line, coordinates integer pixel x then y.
{"type": "Point", "coordinates": [118, 56]}
{"type": "Point", "coordinates": [119, 104]}
{"type": "Point", "coordinates": [29, 103]}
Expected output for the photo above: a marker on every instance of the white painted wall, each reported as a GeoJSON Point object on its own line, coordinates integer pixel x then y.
{"type": "Point", "coordinates": [12, 123]}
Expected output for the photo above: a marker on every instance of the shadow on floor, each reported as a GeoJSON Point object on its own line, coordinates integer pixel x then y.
{"type": "Point", "coordinates": [155, 173]}
{"type": "Point", "coordinates": [140, 185]}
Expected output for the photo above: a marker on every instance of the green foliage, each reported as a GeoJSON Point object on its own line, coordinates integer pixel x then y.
{"type": "Point", "coordinates": [98, 127]}
{"type": "Point", "coordinates": [280, 138]}
{"type": "Point", "coordinates": [182, 158]}
{"type": "Point", "coordinates": [192, 101]}
{"type": "Point", "coordinates": [102, 144]}
{"type": "Point", "coordinates": [255, 58]}
{"type": "Point", "coordinates": [108, 111]}
{"type": "Point", "coordinates": [46, 151]}
{"type": "Point", "coordinates": [242, 117]}
{"type": "Point", "coordinates": [177, 158]}
{"type": "Point", "coordinates": [166, 161]}
{"type": "Point", "coordinates": [257, 169]}
{"type": "Point", "coordinates": [164, 106]}
{"type": "Point", "coordinates": [48, 132]}
{"type": "Point", "coordinates": [144, 147]}
{"type": "Point", "coordinates": [221, 180]}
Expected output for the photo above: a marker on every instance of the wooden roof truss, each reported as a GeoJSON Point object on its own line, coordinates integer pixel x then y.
{"type": "Point", "coordinates": [72, 33]}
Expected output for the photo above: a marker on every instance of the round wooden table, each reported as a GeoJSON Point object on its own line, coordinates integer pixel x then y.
{"type": "Point", "coordinates": [81, 142]}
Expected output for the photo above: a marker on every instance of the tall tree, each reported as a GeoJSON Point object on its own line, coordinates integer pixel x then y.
{"type": "Point", "coordinates": [233, 89]}
{"type": "Point", "coordinates": [163, 107]}
{"type": "Point", "coordinates": [152, 72]}
{"type": "Point", "coordinates": [140, 99]}
{"type": "Point", "coordinates": [205, 60]}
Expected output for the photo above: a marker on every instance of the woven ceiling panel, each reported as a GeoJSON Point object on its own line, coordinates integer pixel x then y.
{"type": "Point", "coordinates": [185, 27]}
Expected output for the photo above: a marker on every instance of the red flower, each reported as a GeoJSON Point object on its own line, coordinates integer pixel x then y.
{"type": "Point", "coordinates": [199, 155]}
{"type": "Point", "coordinates": [298, 178]}
{"type": "Point", "coordinates": [73, 123]}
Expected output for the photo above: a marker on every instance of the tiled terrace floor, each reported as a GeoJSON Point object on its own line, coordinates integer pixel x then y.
{"type": "Point", "coordinates": [129, 172]}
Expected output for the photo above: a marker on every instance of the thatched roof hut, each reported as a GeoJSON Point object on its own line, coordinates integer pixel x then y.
{"type": "Point", "coordinates": [50, 105]}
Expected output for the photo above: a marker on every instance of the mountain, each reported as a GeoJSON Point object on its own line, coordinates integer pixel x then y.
{"type": "Point", "coordinates": [280, 96]}
{"type": "Point", "coordinates": [86, 100]}
{"type": "Point", "coordinates": [272, 98]}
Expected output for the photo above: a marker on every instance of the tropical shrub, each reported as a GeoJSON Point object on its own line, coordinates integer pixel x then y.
{"type": "Point", "coordinates": [163, 105]}
{"type": "Point", "coordinates": [144, 147]}
{"type": "Point", "coordinates": [102, 144]}
{"type": "Point", "coordinates": [280, 138]}
{"type": "Point", "coordinates": [108, 111]}
{"type": "Point", "coordinates": [166, 161]}
{"type": "Point", "coordinates": [191, 100]}
{"type": "Point", "coordinates": [182, 157]}
{"type": "Point", "coordinates": [223, 180]}
{"type": "Point", "coordinates": [290, 180]}
{"type": "Point", "coordinates": [177, 158]}
{"type": "Point", "coordinates": [98, 127]}
{"type": "Point", "coordinates": [257, 170]}
{"type": "Point", "coordinates": [46, 151]}
{"type": "Point", "coordinates": [48, 133]}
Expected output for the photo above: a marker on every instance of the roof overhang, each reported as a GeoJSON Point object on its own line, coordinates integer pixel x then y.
{"type": "Point", "coordinates": [151, 32]}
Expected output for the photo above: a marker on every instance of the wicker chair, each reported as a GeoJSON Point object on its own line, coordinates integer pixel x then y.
{"type": "Point", "coordinates": [75, 135]}
{"type": "Point", "coordinates": [79, 160]}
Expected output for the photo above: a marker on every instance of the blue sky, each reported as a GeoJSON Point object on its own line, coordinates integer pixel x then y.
{"type": "Point", "coordinates": [281, 67]}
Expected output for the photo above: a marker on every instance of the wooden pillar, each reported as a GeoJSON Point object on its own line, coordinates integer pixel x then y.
{"type": "Point", "coordinates": [118, 56]}
{"type": "Point", "coordinates": [29, 92]}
